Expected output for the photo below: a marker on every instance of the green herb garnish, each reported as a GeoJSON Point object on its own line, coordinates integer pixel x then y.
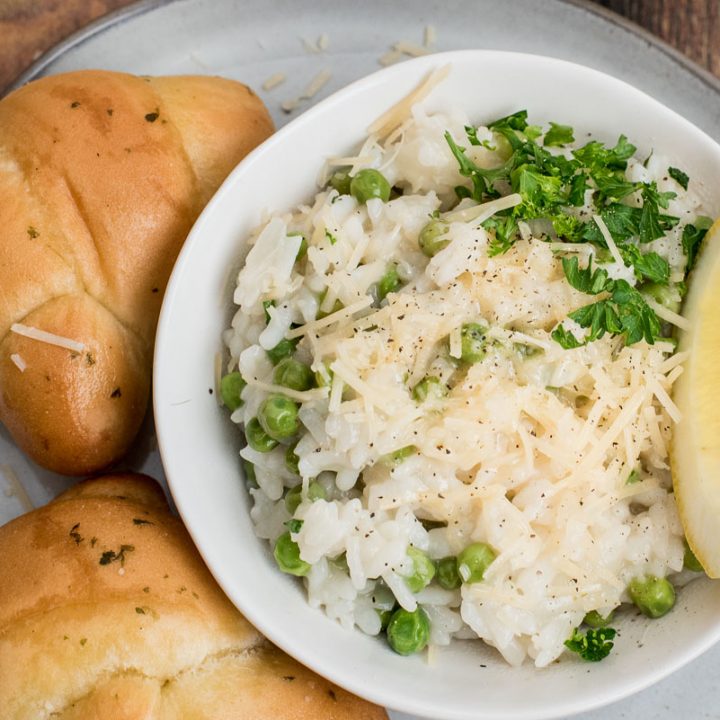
{"type": "Point", "coordinates": [558, 135]}
{"type": "Point", "coordinates": [294, 525]}
{"type": "Point", "coordinates": [679, 177]}
{"type": "Point", "coordinates": [594, 645]}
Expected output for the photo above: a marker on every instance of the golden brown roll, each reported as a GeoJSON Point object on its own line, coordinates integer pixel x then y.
{"type": "Point", "coordinates": [101, 176]}
{"type": "Point", "coordinates": [107, 612]}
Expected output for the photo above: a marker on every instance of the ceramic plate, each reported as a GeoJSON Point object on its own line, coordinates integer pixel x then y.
{"type": "Point", "coordinates": [254, 39]}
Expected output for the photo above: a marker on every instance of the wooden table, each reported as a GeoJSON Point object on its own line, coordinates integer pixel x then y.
{"type": "Point", "coordinates": [29, 27]}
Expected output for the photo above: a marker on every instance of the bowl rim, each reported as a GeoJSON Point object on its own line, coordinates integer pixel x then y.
{"type": "Point", "coordinates": [420, 66]}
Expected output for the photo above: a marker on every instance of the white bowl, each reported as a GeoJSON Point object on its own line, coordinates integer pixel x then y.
{"type": "Point", "coordinates": [199, 444]}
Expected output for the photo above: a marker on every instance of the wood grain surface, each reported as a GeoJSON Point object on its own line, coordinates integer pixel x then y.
{"type": "Point", "coordinates": [29, 27]}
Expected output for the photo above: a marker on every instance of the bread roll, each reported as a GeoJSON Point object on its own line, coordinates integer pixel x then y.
{"type": "Point", "coordinates": [101, 176]}
{"type": "Point", "coordinates": [107, 612]}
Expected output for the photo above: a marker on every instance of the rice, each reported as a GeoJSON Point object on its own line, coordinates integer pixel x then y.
{"type": "Point", "coordinates": [555, 457]}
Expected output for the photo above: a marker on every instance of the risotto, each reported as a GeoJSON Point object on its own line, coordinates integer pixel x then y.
{"type": "Point", "coordinates": [453, 369]}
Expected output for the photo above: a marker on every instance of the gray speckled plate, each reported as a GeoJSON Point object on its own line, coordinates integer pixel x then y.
{"type": "Point", "coordinates": [253, 39]}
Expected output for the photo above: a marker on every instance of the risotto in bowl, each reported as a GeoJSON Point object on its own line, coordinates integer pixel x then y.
{"type": "Point", "coordinates": [446, 304]}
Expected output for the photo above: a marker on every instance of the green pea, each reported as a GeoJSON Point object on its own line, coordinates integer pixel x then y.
{"type": "Point", "coordinates": [423, 570]}
{"type": "Point", "coordinates": [388, 283]}
{"type": "Point", "coordinates": [666, 295]}
{"type": "Point", "coordinates": [408, 632]}
{"type": "Point", "coordinates": [474, 560]}
{"type": "Point", "coordinates": [287, 556]}
{"type": "Point", "coordinates": [293, 374]}
{"type": "Point", "coordinates": [447, 575]}
{"type": "Point", "coordinates": [293, 497]}
{"type": "Point", "coordinates": [249, 472]}
{"type": "Point", "coordinates": [653, 596]}
{"type": "Point", "coordinates": [316, 491]}
{"type": "Point", "coordinates": [369, 184]}
{"type": "Point", "coordinates": [473, 342]}
{"type": "Point", "coordinates": [690, 562]}
{"type": "Point", "coordinates": [340, 180]}
{"type": "Point", "coordinates": [432, 238]}
{"type": "Point", "coordinates": [278, 416]}
{"type": "Point", "coordinates": [257, 438]}
{"type": "Point", "coordinates": [430, 387]}
{"type": "Point", "coordinates": [291, 459]}
{"type": "Point", "coordinates": [302, 250]}
{"type": "Point", "coordinates": [285, 348]}
{"type": "Point", "coordinates": [231, 385]}
{"type": "Point", "coordinates": [595, 620]}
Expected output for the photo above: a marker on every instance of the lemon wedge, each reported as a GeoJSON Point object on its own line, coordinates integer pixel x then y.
{"type": "Point", "coordinates": [695, 448]}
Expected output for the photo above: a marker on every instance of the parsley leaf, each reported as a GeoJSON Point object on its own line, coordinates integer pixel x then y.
{"type": "Point", "coordinates": [649, 266]}
{"type": "Point", "coordinates": [482, 179]}
{"type": "Point", "coordinates": [594, 645]}
{"type": "Point", "coordinates": [625, 311]}
{"type": "Point", "coordinates": [652, 223]}
{"type": "Point", "coordinates": [558, 135]}
{"type": "Point", "coordinates": [595, 156]}
{"type": "Point", "coordinates": [516, 121]}
{"type": "Point", "coordinates": [504, 235]}
{"type": "Point", "coordinates": [471, 133]}
{"type": "Point", "coordinates": [692, 238]}
{"type": "Point", "coordinates": [585, 279]}
{"type": "Point", "coordinates": [679, 177]}
{"type": "Point", "coordinates": [565, 338]}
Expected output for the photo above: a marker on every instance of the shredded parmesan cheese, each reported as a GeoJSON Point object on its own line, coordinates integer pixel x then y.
{"type": "Point", "coordinates": [274, 80]}
{"type": "Point", "coordinates": [46, 337]}
{"type": "Point", "coordinates": [300, 395]}
{"type": "Point", "coordinates": [18, 362]}
{"type": "Point", "coordinates": [397, 114]}
{"type": "Point", "coordinates": [331, 319]}
{"type": "Point", "coordinates": [390, 57]}
{"type": "Point", "coordinates": [478, 214]}
{"type": "Point", "coordinates": [430, 36]}
{"type": "Point", "coordinates": [17, 488]}
{"type": "Point", "coordinates": [608, 239]}
{"type": "Point", "coordinates": [290, 105]}
{"type": "Point", "coordinates": [668, 315]}
{"type": "Point", "coordinates": [410, 49]}
{"type": "Point", "coordinates": [317, 83]}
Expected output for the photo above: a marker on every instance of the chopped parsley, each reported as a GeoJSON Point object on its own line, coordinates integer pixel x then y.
{"type": "Point", "coordinates": [294, 525]}
{"type": "Point", "coordinates": [594, 645]}
{"type": "Point", "coordinates": [550, 182]}
{"type": "Point", "coordinates": [559, 135]}
{"type": "Point", "coordinates": [679, 177]}
{"type": "Point", "coordinates": [110, 556]}
{"type": "Point", "coordinates": [692, 238]}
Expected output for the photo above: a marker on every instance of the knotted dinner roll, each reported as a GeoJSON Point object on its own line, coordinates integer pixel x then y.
{"type": "Point", "coordinates": [101, 176]}
{"type": "Point", "coordinates": [107, 612]}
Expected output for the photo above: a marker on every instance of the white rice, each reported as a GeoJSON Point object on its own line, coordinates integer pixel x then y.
{"type": "Point", "coordinates": [528, 454]}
